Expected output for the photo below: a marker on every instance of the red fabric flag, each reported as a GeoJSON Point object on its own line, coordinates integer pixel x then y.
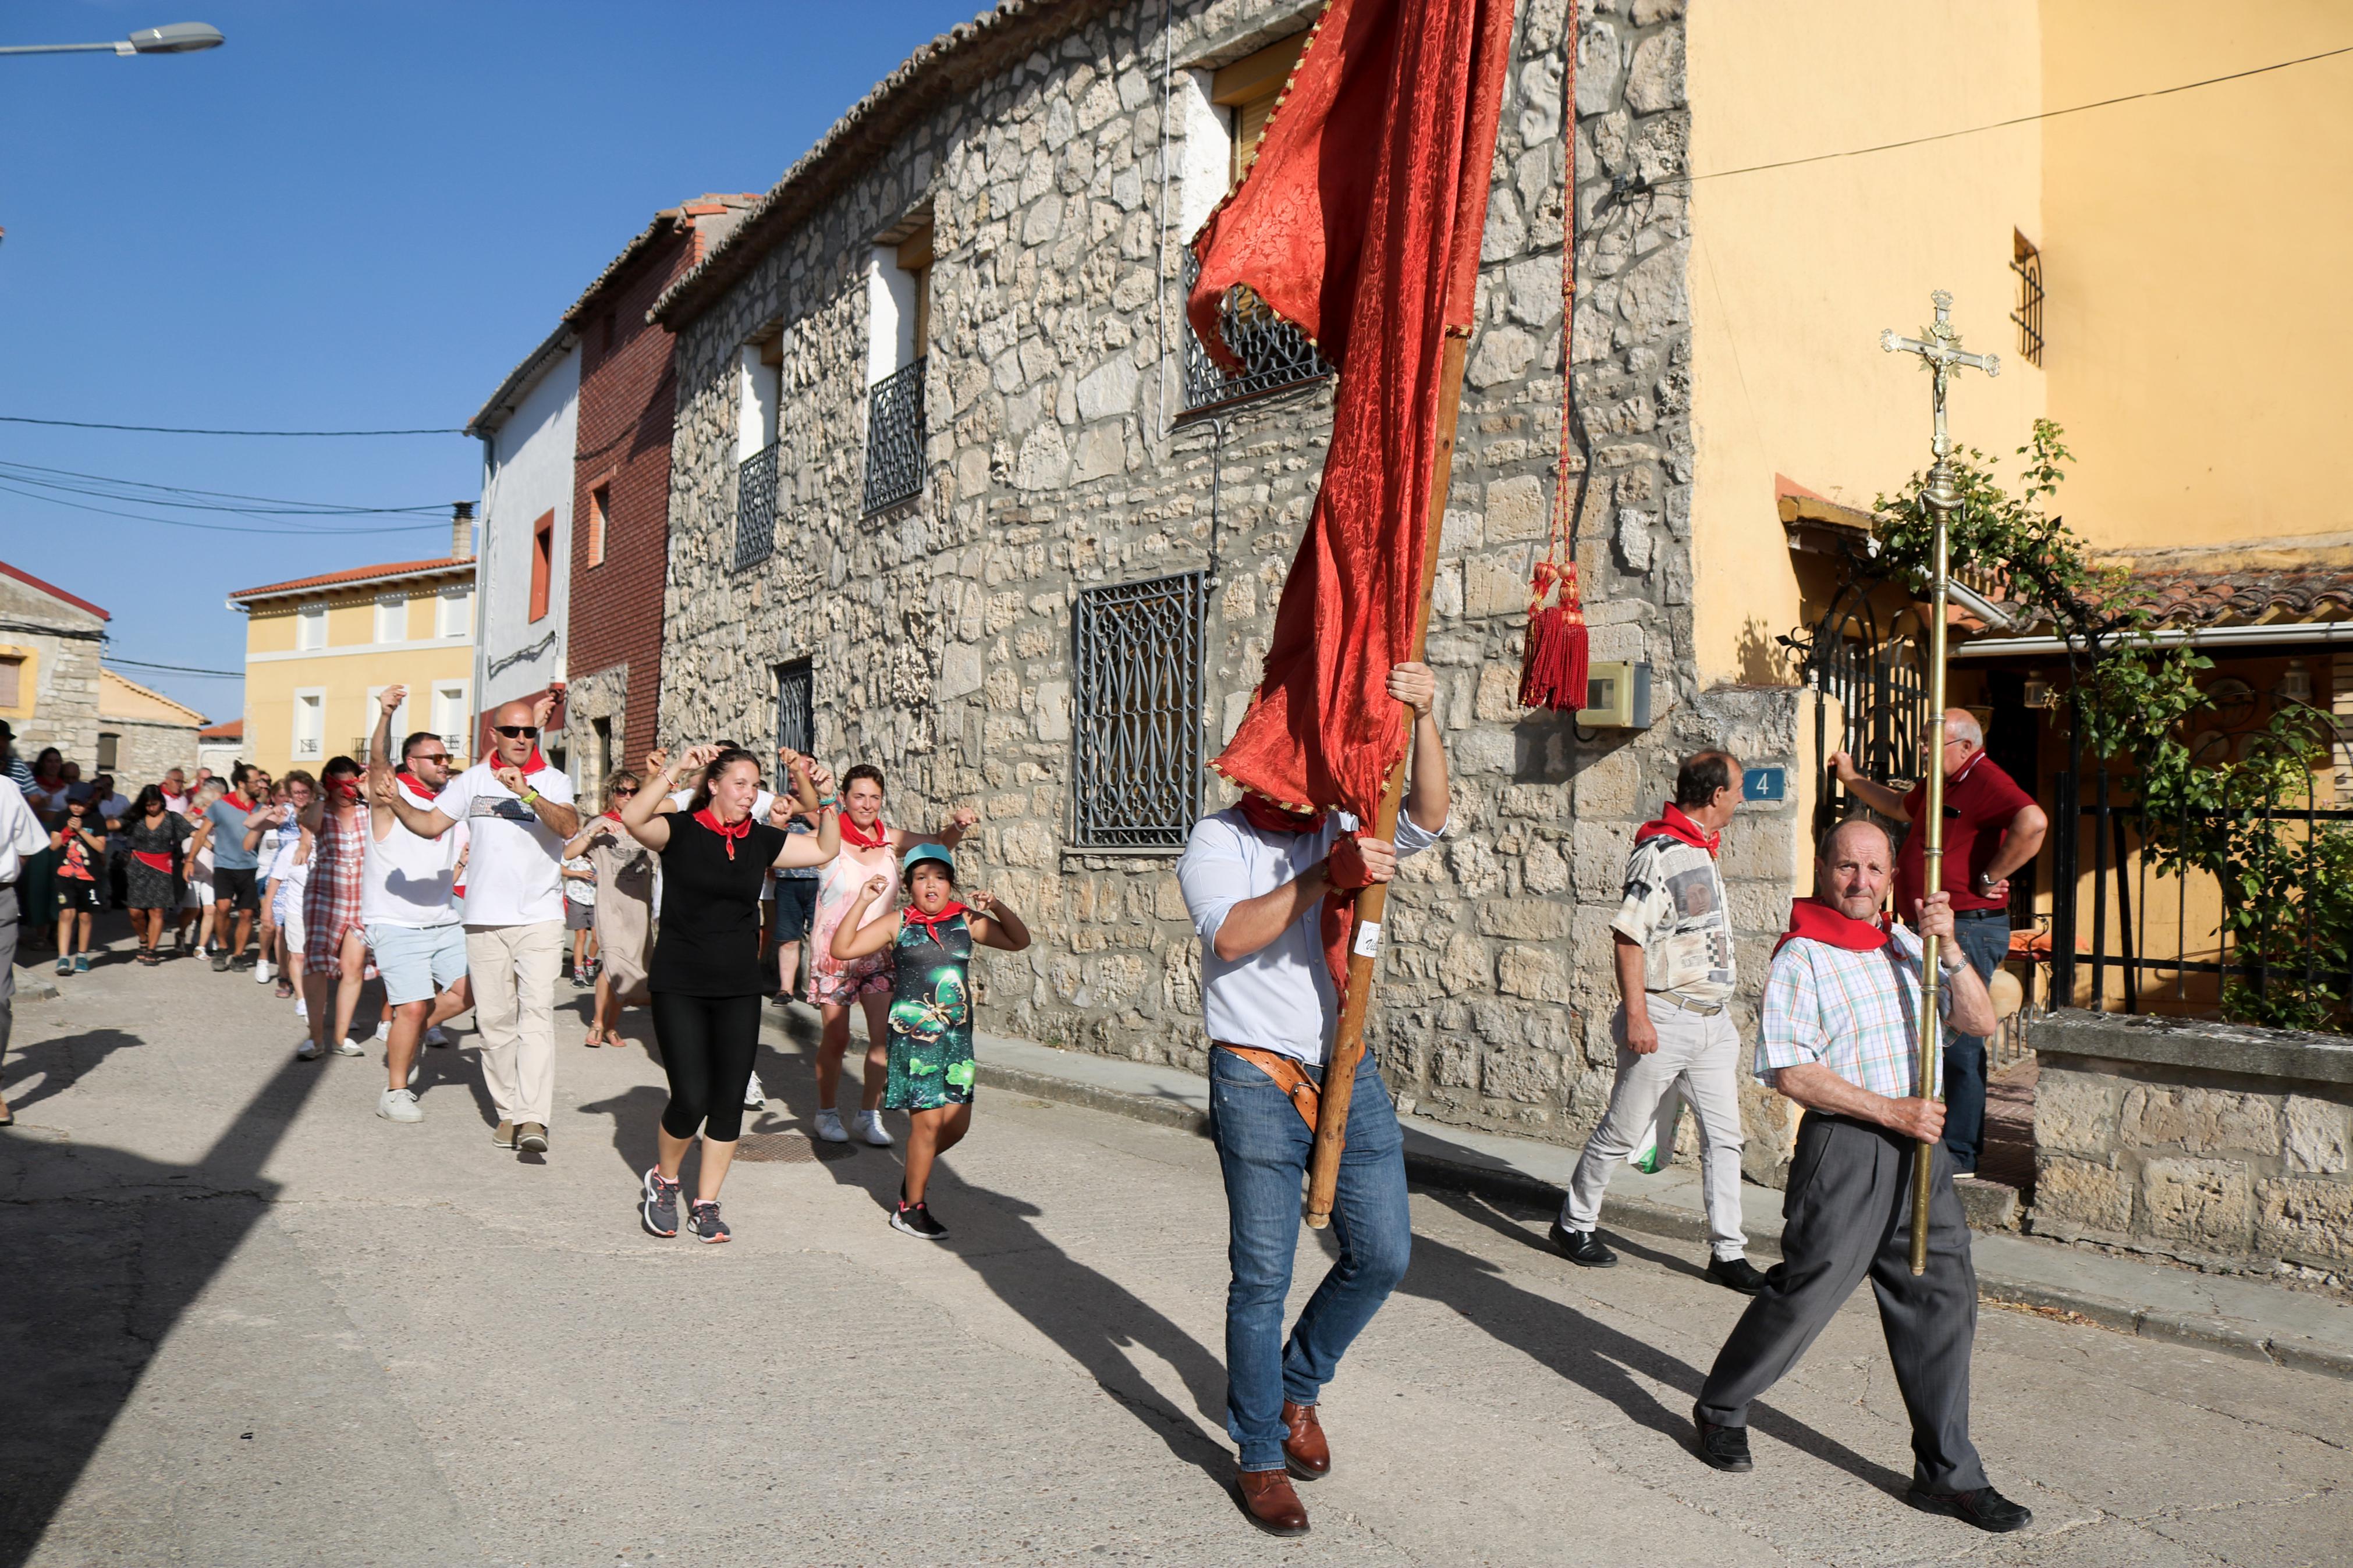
{"type": "Point", "coordinates": [1359, 223]}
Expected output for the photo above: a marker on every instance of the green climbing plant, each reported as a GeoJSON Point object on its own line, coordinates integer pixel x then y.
{"type": "Point", "coordinates": [2286, 892]}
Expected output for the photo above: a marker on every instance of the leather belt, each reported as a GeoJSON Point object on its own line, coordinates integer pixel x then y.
{"type": "Point", "coordinates": [1306, 1096]}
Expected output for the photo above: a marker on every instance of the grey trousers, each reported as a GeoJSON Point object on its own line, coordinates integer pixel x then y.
{"type": "Point", "coordinates": [1848, 1212]}
{"type": "Point", "coordinates": [1699, 1057]}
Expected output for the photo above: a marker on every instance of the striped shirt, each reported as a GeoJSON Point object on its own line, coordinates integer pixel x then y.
{"type": "Point", "coordinates": [1856, 1014]}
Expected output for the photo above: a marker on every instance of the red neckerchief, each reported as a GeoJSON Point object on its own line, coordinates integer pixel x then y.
{"type": "Point", "coordinates": [1818, 921]}
{"type": "Point", "coordinates": [416, 784]}
{"type": "Point", "coordinates": [239, 802]}
{"type": "Point", "coordinates": [1343, 870]}
{"type": "Point", "coordinates": [853, 834]}
{"type": "Point", "coordinates": [931, 923]}
{"type": "Point", "coordinates": [343, 788]}
{"type": "Point", "coordinates": [1673, 823]}
{"type": "Point", "coordinates": [730, 831]}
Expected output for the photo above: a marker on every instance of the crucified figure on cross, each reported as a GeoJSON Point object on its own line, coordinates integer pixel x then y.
{"type": "Point", "coordinates": [1939, 349]}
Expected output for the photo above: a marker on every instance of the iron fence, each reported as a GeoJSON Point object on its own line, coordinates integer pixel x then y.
{"type": "Point", "coordinates": [755, 507]}
{"type": "Point", "coordinates": [797, 705]}
{"type": "Point", "coordinates": [1274, 354]}
{"type": "Point", "coordinates": [1136, 714]}
{"type": "Point", "coordinates": [894, 437]}
{"type": "Point", "coordinates": [2235, 909]}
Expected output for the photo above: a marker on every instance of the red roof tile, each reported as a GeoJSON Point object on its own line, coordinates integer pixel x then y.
{"type": "Point", "coordinates": [232, 731]}
{"type": "Point", "coordinates": [352, 575]}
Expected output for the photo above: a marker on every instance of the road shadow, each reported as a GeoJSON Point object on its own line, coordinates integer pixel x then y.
{"type": "Point", "coordinates": [1594, 1357]}
{"type": "Point", "coordinates": [123, 1253]}
{"type": "Point", "coordinates": [637, 1114]}
{"type": "Point", "coordinates": [53, 1061]}
{"type": "Point", "coordinates": [1090, 1317]}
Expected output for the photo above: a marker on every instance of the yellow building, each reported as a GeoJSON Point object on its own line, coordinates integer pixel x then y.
{"type": "Point", "coordinates": [319, 650]}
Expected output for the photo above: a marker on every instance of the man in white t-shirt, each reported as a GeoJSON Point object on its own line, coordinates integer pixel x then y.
{"type": "Point", "coordinates": [408, 904]}
{"type": "Point", "coordinates": [519, 813]}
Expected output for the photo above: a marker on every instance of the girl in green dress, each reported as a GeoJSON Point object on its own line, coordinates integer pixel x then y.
{"type": "Point", "coordinates": [929, 1048]}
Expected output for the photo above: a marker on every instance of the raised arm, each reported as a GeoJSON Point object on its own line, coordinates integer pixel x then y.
{"type": "Point", "coordinates": [852, 939]}
{"type": "Point", "coordinates": [947, 838]}
{"type": "Point", "coordinates": [1427, 797]}
{"type": "Point", "coordinates": [994, 923]}
{"type": "Point", "coordinates": [1888, 803]}
{"type": "Point", "coordinates": [380, 769]}
{"type": "Point", "coordinates": [643, 813]}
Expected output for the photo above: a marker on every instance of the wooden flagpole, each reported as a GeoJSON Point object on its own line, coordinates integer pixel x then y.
{"type": "Point", "coordinates": [1365, 933]}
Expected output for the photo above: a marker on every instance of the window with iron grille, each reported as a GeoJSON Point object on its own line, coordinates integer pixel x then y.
{"type": "Point", "coordinates": [894, 437]}
{"type": "Point", "coordinates": [2027, 262]}
{"type": "Point", "coordinates": [755, 507]}
{"type": "Point", "coordinates": [1274, 354]}
{"type": "Point", "coordinates": [797, 706]}
{"type": "Point", "coordinates": [1136, 714]}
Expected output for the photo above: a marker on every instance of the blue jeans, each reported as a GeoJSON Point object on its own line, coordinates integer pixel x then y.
{"type": "Point", "coordinates": [1984, 936]}
{"type": "Point", "coordinates": [1263, 1145]}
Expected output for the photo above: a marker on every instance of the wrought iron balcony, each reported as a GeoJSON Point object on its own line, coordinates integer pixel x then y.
{"type": "Point", "coordinates": [756, 508]}
{"type": "Point", "coordinates": [1274, 354]}
{"type": "Point", "coordinates": [894, 437]}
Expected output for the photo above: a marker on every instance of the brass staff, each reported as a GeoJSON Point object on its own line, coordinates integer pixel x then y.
{"type": "Point", "coordinates": [1940, 350]}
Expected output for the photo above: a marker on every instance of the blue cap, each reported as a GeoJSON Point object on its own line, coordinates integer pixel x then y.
{"type": "Point", "coordinates": [922, 852]}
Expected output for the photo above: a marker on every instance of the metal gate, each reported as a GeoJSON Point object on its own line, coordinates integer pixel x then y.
{"type": "Point", "coordinates": [797, 705]}
{"type": "Point", "coordinates": [1136, 718]}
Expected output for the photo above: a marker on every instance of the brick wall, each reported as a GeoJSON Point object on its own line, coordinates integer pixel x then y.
{"type": "Point", "coordinates": [627, 391]}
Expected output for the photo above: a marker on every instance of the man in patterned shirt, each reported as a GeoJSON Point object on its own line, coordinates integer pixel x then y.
{"type": "Point", "coordinates": [1838, 1034]}
{"type": "Point", "coordinates": [1675, 977]}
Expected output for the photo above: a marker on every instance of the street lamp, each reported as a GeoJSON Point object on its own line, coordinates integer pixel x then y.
{"type": "Point", "coordinates": [177, 39]}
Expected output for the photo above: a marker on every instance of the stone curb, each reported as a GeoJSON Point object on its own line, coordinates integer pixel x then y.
{"type": "Point", "coordinates": [1681, 1224]}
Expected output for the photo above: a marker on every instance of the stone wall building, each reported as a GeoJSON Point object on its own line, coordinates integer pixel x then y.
{"type": "Point", "coordinates": [50, 645]}
{"type": "Point", "coordinates": [143, 734]}
{"type": "Point", "coordinates": [1026, 552]}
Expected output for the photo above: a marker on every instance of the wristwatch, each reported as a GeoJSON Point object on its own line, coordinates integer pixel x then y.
{"type": "Point", "coordinates": [529, 795]}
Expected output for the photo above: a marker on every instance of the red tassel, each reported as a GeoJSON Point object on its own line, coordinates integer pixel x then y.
{"type": "Point", "coordinates": [1555, 664]}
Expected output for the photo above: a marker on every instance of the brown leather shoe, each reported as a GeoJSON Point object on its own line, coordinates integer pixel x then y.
{"type": "Point", "coordinates": [1305, 1453]}
{"type": "Point", "coordinates": [1272, 1504]}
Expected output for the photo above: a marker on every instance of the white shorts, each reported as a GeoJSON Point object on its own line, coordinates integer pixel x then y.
{"type": "Point", "coordinates": [199, 896]}
{"type": "Point", "coordinates": [418, 961]}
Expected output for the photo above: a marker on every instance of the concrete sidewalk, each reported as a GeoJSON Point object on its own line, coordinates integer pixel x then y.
{"type": "Point", "coordinates": [2235, 1314]}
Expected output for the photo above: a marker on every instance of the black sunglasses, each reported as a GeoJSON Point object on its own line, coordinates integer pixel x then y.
{"type": "Point", "coordinates": [429, 756]}
{"type": "Point", "coordinates": [518, 731]}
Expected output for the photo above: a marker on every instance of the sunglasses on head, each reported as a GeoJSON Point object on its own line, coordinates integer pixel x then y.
{"type": "Point", "coordinates": [518, 731]}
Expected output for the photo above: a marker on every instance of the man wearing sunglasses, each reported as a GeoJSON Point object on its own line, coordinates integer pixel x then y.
{"type": "Point", "coordinates": [408, 903]}
{"type": "Point", "coordinates": [1993, 828]}
{"type": "Point", "coordinates": [518, 812]}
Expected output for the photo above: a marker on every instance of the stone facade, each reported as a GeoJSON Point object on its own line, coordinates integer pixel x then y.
{"type": "Point", "coordinates": [55, 639]}
{"type": "Point", "coordinates": [1058, 459]}
{"type": "Point", "coordinates": [2201, 1141]}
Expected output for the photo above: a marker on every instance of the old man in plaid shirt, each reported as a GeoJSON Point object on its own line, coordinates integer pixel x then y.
{"type": "Point", "coordinates": [1838, 1034]}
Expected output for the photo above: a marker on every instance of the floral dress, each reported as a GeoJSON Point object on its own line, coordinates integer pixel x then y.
{"type": "Point", "coordinates": [930, 1050]}
{"type": "Point", "coordinates": [833, 982]}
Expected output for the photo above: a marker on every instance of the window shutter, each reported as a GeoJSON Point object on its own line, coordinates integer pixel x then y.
{"type": "Point", "coordinates": [1250, 87]}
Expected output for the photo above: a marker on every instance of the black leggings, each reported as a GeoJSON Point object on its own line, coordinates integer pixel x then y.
{"type": "Point", "coordinates": [708, 1043]}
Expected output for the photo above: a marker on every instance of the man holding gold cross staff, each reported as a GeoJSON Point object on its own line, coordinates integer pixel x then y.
{"type": "Point", "coordinates": [1852, 1027]}
{"type": "Point", "coordinates": [1358, 222]}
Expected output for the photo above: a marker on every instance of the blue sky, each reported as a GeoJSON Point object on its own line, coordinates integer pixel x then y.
{"type": "Point", "coordinates": [351, 217]}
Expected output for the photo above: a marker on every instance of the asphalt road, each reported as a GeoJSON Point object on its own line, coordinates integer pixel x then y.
{"type": "Point", "coordinates": [246, 1321]}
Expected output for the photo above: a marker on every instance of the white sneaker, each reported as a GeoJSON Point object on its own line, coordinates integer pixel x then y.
{"type": "Point", "coordinates": [383, 1027]}
{"type": "Point", "coordinates": [829, 1125]}
{"type": "Point", "coordinates": [871, 1128]}
{"type": "Point", "coordinates": [347, 1048]}
{"type": "Point", "coordinates": [398, 1105]}
{"type": "Point", "coordinates": [754, 1097]}
{"type": "Point", "coordinates": [308, 1051]}
{"type": "Point", "coordinates": [434, 1036]}
{"type": "Point", "coordinates": [261, 972]}
{"type": "Point", "coordinates": [301, 1006]}
{"type": "Point", "coordinates": [414, 1068]}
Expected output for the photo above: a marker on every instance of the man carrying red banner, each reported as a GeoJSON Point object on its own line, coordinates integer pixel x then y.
{"type": "Point", "coordinates": [1838, 1034]}
{"type": "Point", "coordinates": [1265, 888]}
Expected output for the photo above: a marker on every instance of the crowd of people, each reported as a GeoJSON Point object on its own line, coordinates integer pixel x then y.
{"type": "Point", "coordinates": [459, 890]}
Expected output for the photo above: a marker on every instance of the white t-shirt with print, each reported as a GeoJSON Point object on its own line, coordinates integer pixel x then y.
{"type": "Point", "coordinates": [512, 858]}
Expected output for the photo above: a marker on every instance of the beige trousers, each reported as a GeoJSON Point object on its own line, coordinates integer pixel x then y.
{"type": "Point", "coordinates": [514, 970]}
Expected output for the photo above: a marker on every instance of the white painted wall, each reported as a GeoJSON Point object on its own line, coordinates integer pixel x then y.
{"type": "Point", "coordinates": [890, 314]}
{"type": "Point", "coordinates": [527, 472]}
{"type": "Point", "coordinates": [760, 393]}
{"type": "Point", "coordinates": [1205, 161]}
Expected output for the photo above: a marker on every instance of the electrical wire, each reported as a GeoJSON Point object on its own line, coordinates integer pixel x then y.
{"type": "Point", "coordinates": [219, 527]}
{"type": "Point", "coordinates": [1639, 184]}
{"type": "Point", "coordinates": [172, 668]}
{"type": "Point", "coordinates": [192, 430]}
{"type": "Point", "coordinates": [106, 487]}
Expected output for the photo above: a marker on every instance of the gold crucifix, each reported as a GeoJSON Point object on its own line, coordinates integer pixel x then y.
{"type": "Point", "coordinates": [1940, 350]}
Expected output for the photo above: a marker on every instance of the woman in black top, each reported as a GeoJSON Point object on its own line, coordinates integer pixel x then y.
{"type": "Point", "coordinates": [706, 977]}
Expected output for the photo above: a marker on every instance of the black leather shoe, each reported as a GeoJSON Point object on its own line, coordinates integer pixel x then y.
{"type": "Point", "coordinates": [1735, 1274]}
{"type": "Point", "coordinates": [1985, 1507]}
{"type": "Point", "coordinates": [1724, 1448]}
{"type": "Point", "coordinates": [1582, 1248]}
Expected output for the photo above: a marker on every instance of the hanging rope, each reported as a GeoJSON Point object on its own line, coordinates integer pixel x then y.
{"type": "Point", "coordinates": [1556, 659]}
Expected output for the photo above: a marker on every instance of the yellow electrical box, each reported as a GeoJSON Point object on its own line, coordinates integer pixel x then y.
{"type": "Point", "coordinates": [1617, 696]}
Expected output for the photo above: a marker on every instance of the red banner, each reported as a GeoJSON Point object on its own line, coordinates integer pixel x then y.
{"type": "Point", "coordinates": [1359, 223]}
